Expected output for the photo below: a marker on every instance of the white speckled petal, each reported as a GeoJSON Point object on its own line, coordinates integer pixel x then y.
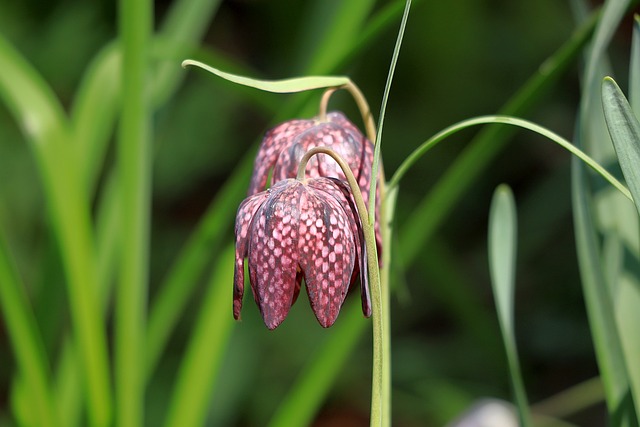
{"type": "Point", "coordinates": [244, 221]}
{"type": "Point", "coordinates": [273, 252]}
{"type": "Point", "coordinates": [327, 253]}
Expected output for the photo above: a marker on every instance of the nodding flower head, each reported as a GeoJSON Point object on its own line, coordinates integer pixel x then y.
{"type": "Point", "coordinates": [284, 145]}
{"type": "Point", "coordinates": [300, 229]}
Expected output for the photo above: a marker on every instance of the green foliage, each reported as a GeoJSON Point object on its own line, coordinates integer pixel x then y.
{"type": "Point", "coordinates": [121, 174]}
{"type": "Point", "coordinates": [503, 238]}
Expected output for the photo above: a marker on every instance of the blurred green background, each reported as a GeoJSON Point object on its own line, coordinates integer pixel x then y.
{"type": "Point", "coordinates": [459, 59]}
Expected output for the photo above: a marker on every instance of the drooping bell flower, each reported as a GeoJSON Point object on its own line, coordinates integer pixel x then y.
{"type": "Point", "coordinates": [284, 145]}
{"type": "Point", "coordinates": [298, 230]}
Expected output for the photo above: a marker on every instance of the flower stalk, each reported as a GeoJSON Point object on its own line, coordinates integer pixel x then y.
{"type": "Point", "coordinates": [361, 102]}
{"type": "Point", "coordinates": [380, 388]}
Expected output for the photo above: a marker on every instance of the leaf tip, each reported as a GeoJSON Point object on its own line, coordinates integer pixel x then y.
{"type": "Point", "coordinates": [187, 62]}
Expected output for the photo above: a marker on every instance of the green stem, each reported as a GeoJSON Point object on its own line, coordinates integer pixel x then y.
{"type": "Point", "coordinates": [572, 400]}
{"type": "Point", "coordinates": [365, 111]}
{"type": "Point", "coordinates": [134, 155]}
{"type": "Point", "coordinates": [383, 107]}
{"type": "Point", "coordinates": [326, 364]}
{"type": "Point", "coordinates": [427, 216]}
{"type": "Point", "coordinates": [377, 387]}
{"type": "Point", "coordinates": [203, 358]}
{"type": "Point", "coordinates": [386, 224]}
{"type": "Point", "coordinates": [361, 102]}
{"type": "Point", "coordinates": [324, 101]}
{"type": "Point", "coordinates": [440, 136]}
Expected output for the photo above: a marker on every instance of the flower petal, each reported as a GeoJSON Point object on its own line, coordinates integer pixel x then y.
{"type": "Point", "coordinates": [244, 220]}
{"type": "Point", "coordinates": [274, 141]}
{"type": "Point", "coordinates": [273, 256]}
{"type": "Point", "coordinates": [324, 134]}
{"type": "Point", "coordinates": [327, 253]}
{"type": "Point", "coordinates": [340, 192]}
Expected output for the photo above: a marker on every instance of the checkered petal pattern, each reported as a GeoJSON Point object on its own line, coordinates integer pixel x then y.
{"type": "Point", "coordinates": [284, 145]}
{"type": "Point", "coordinates": [298, 230]}
{"type": "Point", "coordinates": [289, 230]}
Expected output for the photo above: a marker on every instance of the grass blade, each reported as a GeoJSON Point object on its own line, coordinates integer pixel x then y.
{"type": "Point", "coordinates": [625, 132]}
{"type": "Point", "coordinates": [47, 130]}
{"type": "Point", "coordinates": [185, 24]}
{"type": "Point", "coordinates": [600, 290]}
{"type": "Point", "coordinates": [612, 13]}
{"type": "Point", "coordinates": [434, 207]}
{"type": "Point", "coordinates": [134, 168]}
{"type": "Point", "coordinates": [634, 67]}
{"type": "Point", "coordinates": [502, 260]}
{"type": "Point", "coordinates": [26, 341]}
{"type": "Point", "coordinates": [440, 136]}
{"type": "Point", "coordinates": [308, 392]}
{"type": "Point", "coordinates": [187, 269]}
{"type": "Point", "coordinates": [328, 41]}
{"type": "Point", "coordinates": [599, 304]}
{"type": "Point", "coordinates": [207, 344]}
{"type": "Point", "coordinates": [94, 113]}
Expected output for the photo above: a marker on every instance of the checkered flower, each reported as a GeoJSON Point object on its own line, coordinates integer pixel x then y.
{"type": "Point", "coordinates": [300, 230]}
{"type": "Point", "coordinates": [284, 145]}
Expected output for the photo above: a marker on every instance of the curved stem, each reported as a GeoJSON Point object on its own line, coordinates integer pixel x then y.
{"type": "Point", "coordinates": [378, 387]}
{"type": "Point", "coordinates": [434, 140]}
{"type": "Point", "coordinates": [365, 111]}
{"type": "Point", "coordinates": [324, 101]}
{"type": "Point", "coordinates": [351, 179]}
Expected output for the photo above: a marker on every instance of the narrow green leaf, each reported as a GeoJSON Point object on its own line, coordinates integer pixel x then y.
{"type": "Point", "coordinates": [26, 342]}
{"type": "Point", "coordinates": [606, 339]}
{"type": "Point", "coordinates": [502, 259]}
{"type": "Point", "coordinates": [306, 395]}
{"type": "Point", "coordinates": [383, 108]}
{"type": "Point", "coordinates": [634, 67]}
{"type": "Point", "coordinates": [612, 13]}
{"type": "Point", "coordinates": [440, 136]}
{"type": "Point", "coordinates": [329, 23]}
{"type": "Point", "coordinates": [179, 34]}
{"type": "Point", "coordinates": [135, 156]}
{"type": "Point", "coordinates": [35, 107]}
{"type": "Point", "coordinates": [476, 157]}
{"type": "Point", "coordinates": [628, 319]}
{"type": "Point", "coordinates": [94, 113]}
{"type": "Point", "coordinates": [297, 84]}
{"type": "Point", "coordinates": [47, 130]}
{"type": "Point", "coordinates": [596, 212]}
{"type": "Point", "coordinates": [625, 133]}
{"type": "Point", "coordinates": [502, 253]}
{"type": "Point", "coordinates": [206, 347]}
{"type": "Point", "coordinates": [184, 275]}
{"type": "Point", "coordinates": [572, 400]}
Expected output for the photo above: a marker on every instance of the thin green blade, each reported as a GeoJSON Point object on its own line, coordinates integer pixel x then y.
{"type": "Point", "coordinates": [625, 133]}
{"type": "Point", "coordinates": [296, 84]}
{"type": "Point", "coordinates": [502, 257]}
{"type": "Point", "coordinates": [26, 341]}
{"type": "Point", "coordinates": [634, 67]}
{"type": "Point", "coordinates": [624, 129]}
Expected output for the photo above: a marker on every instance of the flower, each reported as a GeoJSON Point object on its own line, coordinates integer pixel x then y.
{"type": "Point", "coordinates": [300, 229]}
{"type": "Point", "coordinates": [284, 145]}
